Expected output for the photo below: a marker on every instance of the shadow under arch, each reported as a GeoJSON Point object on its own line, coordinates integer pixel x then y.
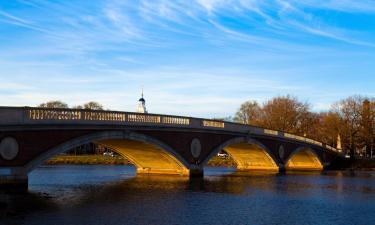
{"type": "Point", "coordinates": [303, 158]}
{"type": "Point", "coordinates": [248, 154]}
{"type": "Point", "coordinates": [148, 154]}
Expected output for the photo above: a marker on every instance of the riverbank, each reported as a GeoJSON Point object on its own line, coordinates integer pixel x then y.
{"type": "Point", "coordinates": [87, 160]}
{"type": "Point", "coordinates": [221, 162]}
{"type": "Point", "coordinates": [118, 160]}
{"type": "Point", "coordinates": [363, 164]}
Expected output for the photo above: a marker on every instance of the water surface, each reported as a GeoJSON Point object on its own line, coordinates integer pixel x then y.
{"type": "Point", "coordinates": [113, 195]}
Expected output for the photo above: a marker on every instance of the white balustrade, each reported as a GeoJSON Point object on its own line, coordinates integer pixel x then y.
{"type": "Point", "coordinates": [105, 116]}
{"type": "Point", "coordinates": [143, 118]}
{"type": "Point", "coordinates": [48, 114]}
{"type": "Point", "coordinates": [210, 123]}
{"type": "Point", "coordinates": [175, 120]}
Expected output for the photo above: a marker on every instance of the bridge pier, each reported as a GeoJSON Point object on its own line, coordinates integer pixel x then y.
{"type": "Point", "coordinates": [196, 171]}
{"type": "Point", "coordinates": [281, 168]}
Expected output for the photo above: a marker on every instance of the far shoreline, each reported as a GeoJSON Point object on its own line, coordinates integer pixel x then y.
{"type": "Point", "coordinates": [118, 160]}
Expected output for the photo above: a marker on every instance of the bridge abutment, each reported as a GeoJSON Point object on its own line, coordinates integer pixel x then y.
{"type": "Point", "coordinates": [12, 178]}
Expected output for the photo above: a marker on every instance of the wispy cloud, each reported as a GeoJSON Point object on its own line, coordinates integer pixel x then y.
{"type": "Point", "coordinates": [352, 6]}
{"type": "Point", "coordinates": [17, 21]}
{"type": "Point", "coordinates": [201, 57]}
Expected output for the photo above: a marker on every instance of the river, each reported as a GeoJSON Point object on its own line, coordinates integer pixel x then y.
{"type": "Point", "coordinates": [113, 195]}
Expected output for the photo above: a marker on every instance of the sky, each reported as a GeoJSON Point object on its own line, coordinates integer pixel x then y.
{"type": "Point", "coordinates": [193, 57]}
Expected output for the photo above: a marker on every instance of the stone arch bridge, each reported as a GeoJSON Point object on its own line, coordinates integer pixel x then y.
{"type": "Point", "coordinates": [155, 144]}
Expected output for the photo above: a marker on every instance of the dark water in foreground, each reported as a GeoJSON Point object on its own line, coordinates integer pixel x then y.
{"type": "Point", "coordinates": [112, 195]}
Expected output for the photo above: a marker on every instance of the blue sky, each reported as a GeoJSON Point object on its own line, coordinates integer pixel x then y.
{"type": "Point", "coordinates": [197, 58]}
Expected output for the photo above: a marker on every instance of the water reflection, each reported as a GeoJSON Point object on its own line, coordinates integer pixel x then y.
{"type": "Point", "coordinates": [113, 195]}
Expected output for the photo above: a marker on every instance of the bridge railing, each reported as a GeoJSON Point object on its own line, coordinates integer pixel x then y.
{"type": "Point", "coordinates": [29, 115]}
{"type": "Point", "coordinates": [212, 123]}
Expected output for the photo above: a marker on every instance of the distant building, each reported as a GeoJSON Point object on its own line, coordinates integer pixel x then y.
{"type": "Point", "coordinates": [141, 108]}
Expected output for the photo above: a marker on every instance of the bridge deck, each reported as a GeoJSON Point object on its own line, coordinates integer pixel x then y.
{"type": "Point", "coordinates": [23, 116]}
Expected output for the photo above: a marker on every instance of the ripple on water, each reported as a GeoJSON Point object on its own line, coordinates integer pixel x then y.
{"type": "Point", "coordinates": [113, 195]}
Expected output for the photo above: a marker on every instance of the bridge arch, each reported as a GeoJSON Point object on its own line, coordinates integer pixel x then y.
{"type": "Point", "coordinates": [248, 154]}
{"type": "Point", "coordinates": [303, 158]}
{"type": "Point", "coordinates": [148, 154]}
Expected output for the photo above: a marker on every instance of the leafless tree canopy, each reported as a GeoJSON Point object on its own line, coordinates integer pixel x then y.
{"type": "Point", "coordinates": [59, 104]}
{"type": "Point", "coordinates": [249, 113]}
{"type": "Point", "coordinates": [353, 119]}
{"type": "Point", "coordinates": [93, 106]}
{"type": "Point", "coordinates": [54, 104]}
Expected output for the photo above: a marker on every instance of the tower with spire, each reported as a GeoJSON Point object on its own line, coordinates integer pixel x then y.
{"type": "Point", "coordinates": [141, 108]}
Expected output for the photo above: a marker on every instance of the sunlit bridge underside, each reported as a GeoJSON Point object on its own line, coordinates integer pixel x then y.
{"type": "Point", "coordinates": [304, 160]}
{"type": "Point", "coordinates": [251, 157]}
{"type": "Point", "coordinates": [148, 158]}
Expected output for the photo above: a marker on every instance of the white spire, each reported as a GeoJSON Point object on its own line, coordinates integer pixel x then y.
{"type": "Point", "coordinates": [141, 108]}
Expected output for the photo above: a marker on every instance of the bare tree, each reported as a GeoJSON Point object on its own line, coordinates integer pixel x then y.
{"type": "Point", "coordinates": [308, 124]}
{"type": "Point", "coordinates": [351, 112]}
{"type": "Point", "coordinates": [286, 113]}
{"type": "Point", "coordinates": [249, 113]}
{"type": "Point", "coordinates": [93, 106]}
{"type": "Point", "coordinates": [329, 128]}
{"type": "Point", "coordinates": [54, 104]}
{"type": "Point", "coordinates": [89, 105]}
{"type": "Point", "coordinates": [353, 119]}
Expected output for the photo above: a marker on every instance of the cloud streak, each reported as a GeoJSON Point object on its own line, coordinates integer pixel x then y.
{"type": "Point", "coordinates": [193, 57]}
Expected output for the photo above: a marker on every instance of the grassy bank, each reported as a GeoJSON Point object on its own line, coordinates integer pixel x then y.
{"type": "Point", "coordinates": [224, 162]}
{"type": "Point", "coordinates": [117, 160]}
{"type": "Point", "coordinates": [87, 160]}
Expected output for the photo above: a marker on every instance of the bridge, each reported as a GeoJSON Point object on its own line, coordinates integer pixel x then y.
{"type": "Point", "coordinates": [155, 144]}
